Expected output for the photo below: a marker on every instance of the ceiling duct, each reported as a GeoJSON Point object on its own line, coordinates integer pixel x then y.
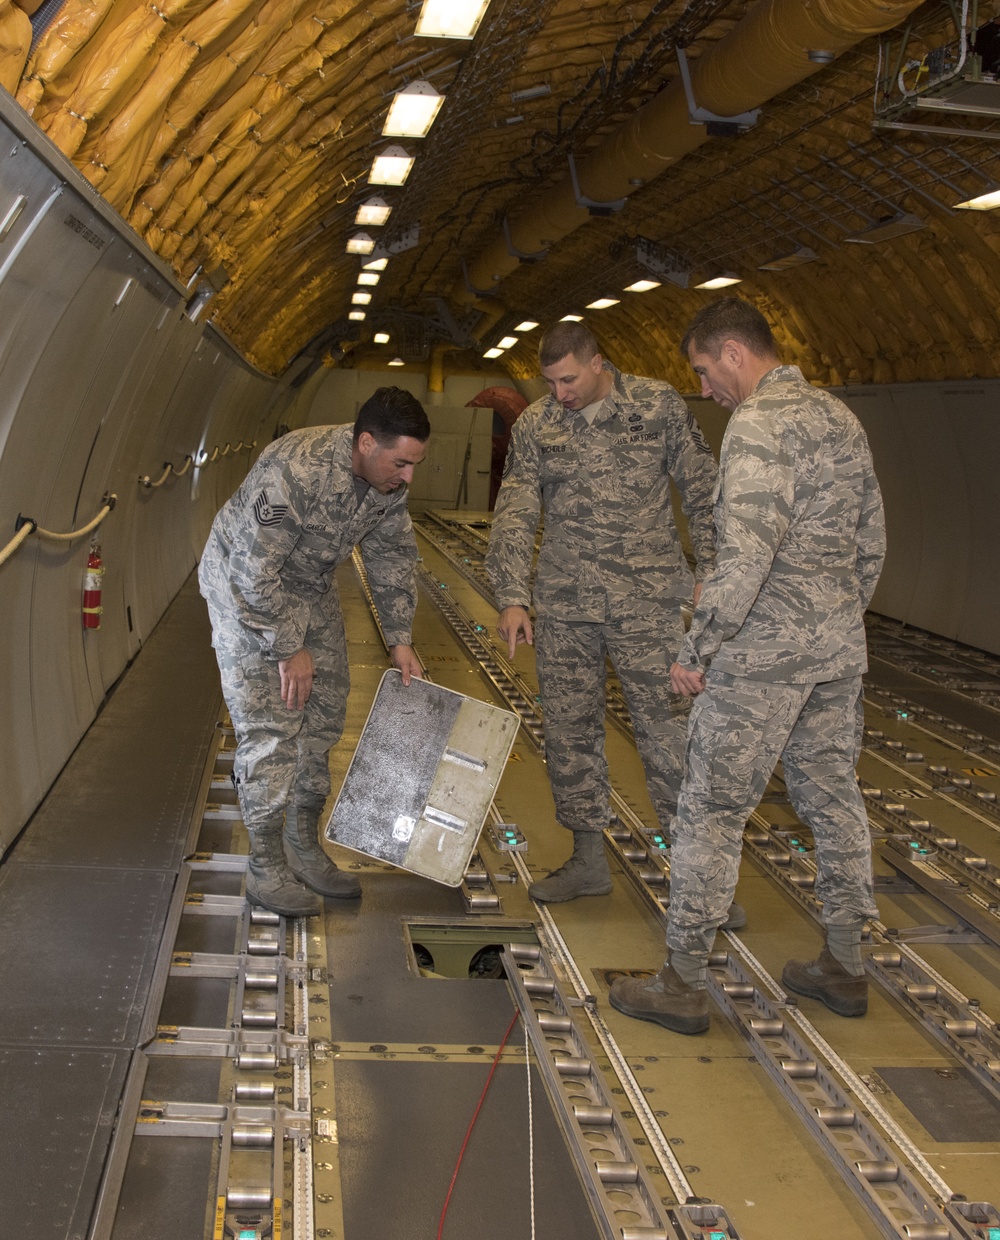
{"type": "Point", "coordinates": [764, 54]}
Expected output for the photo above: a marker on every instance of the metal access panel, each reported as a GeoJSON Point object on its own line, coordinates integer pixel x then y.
{"type": "Point", "coordinates": [422, 777]}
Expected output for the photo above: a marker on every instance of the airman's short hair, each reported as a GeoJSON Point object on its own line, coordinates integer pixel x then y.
{"type": "Point", "coordinates": [389, 413]}
{"type": "Point", "coordinates": [562, 339]}
{"type": "Point", "coordinates": [729, 318]}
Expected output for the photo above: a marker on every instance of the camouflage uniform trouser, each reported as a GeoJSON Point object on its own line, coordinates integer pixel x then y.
{"type": "Point", "coordinates": [739, 730]}
{"type": "Point", "coordinates": [281, 754]}
{"type": "Point", "coordinates": [570, 662]}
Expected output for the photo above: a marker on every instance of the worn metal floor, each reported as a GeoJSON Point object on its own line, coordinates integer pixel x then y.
{"type": "Point", "coordinates": [399, 1052]}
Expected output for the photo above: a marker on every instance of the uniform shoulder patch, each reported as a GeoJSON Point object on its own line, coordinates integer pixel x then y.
{"type": "Point", "coordinates": [697, 434]}
{"type": "Point", "coordinates": [266, 513]}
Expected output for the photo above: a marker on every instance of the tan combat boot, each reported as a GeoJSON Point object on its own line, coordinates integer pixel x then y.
{"type": "Point", "coordinates": [586, 873]}
{"type": "Point", "coordinates": [663, 998]}
{"type": "Point", "coordinates": [307, 860]}
{"type": "Point", "coordinates": [827, 980]}
{"type": "Point", "coordinates": [270, 883]}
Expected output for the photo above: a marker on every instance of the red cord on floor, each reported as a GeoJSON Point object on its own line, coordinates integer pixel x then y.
{"type": "Point", "coordinates": [468, 1134]}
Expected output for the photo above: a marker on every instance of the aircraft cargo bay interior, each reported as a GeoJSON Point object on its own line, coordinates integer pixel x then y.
{"type": "Point", "coordinates": [232, 1011]}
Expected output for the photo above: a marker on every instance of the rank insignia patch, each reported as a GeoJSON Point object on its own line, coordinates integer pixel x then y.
{"type": "Point", "coordinates": [268, 514]}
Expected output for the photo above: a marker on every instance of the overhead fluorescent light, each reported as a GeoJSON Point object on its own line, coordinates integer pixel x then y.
{"type": "Point", "coordinates": [412, 111]}
{"type": "Point", "coordinates": [982, 202]}
{"type": "Point", "coordinates": [531, 92]}
{"type": "Point", "coordinates": [602, 303]}
{"type": "Point", "coordinates": [642, 286]}
{"type": "Point", "coordinates": [375, 264]}
{"type": "Point", "coordinates": [795, 258]}
{"type": "Point", "coordinates": [720, 282]}
{"type": "Point", "coordinates": [381, 337]}
{"type": "Point", "coordinates": [360, 299]}
{"type": "Point", "coordinates": [369, 277]}
{"type": "Point", "coordinates": [373, 211]}
{"type": "Point", "coordinates": [571, 318]}
{"type": "Point", "coordinates": [885, 229]}
{"type": "Point", "coordinates": [357, 316]}
{"type": "Point", "coordinates": [507, 342]}
{"type": "Point", "coordinates": [450, 19]}
{"type": "Point", "coordinates": [397, 361]}
{"type": "Point", "coordinates": [493, 353]}
{"type": "Point", "coordinates": [360, 243]}
{"type": "Point", "coordinates": [392, 167]}
{"type": "Point", "coordinates": [528, 325]}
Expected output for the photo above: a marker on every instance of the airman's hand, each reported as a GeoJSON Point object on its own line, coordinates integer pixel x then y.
{"type": "Point", "coordinates": [296, 675]}
{"type": "Point", "coordinates": [405, 658]}
{"type": "Point", "coordinates": [514, 626]}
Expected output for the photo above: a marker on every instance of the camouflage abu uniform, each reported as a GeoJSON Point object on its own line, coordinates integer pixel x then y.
{"type": "Point", "coordinates": [801, 540]}
{"type": "Point", "coordinates": [267, 574]}
{"type": "Point", "coordinates": [611, 576]}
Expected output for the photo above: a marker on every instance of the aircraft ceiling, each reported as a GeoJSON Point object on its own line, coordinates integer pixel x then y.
{"type": "Point", "coordinates": [236, 137]}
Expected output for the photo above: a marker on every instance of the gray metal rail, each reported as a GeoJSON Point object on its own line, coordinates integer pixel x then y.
{"type": "Point", "coordinates": [612, 1171]}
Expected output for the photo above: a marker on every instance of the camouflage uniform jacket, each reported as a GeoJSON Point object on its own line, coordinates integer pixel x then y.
{"type": "Point", "coordinates": [610, 540]}
{"type": "Point", "coordinates": [275, 545]}
{"type": "Point", "coordinates": [801, 540]}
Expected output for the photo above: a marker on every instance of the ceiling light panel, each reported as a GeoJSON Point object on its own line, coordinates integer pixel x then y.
{"type": "Point", "coordinates": [982, 202]}
{"type": "Point", "coordinates": [571, 318]}
{"type": "Point", "coordinates": [392, 167]}
{"type": "Point", "coordinates": [376, 264]}
{"type": "Point", "coordinates": [360, 243]}
{"type": "Point", "coordinates": [381, 337]}
{"type": "Point", "coordinates": [642, 286]}
{"type": "Point", "coordinates": [375, 211]}
{"type": "Point", "coordinates": [720, 282]}
{"type": "Point", "coordinates": [412, 111]}
{"type": "Point", "coordinates": [357, 316]}
{"type": "Point", "coordinates": [361, 299]}
{"type": "Point", "coordinates": [507, 342]}
{"type": "Point", "coordinates": [887, 229]}
{"type": "Point", "coordinates": [450, 19]}
{"type": "Point", "coordinates": [493, 353]}
{"type": "Point", "coordinates": [369, 277]}
{"type": "Point", "coordinates": [794, 259]}
{"type": "Point", "coordinates": [397, 361]}
{"type": "Point", "coordinates": [602, 303]}
{"type": "Point", "coordinates": [528, 325]}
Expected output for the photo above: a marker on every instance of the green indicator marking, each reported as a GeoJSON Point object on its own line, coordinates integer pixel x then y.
{"type": "Point", "coordinates": [914, 844]}
{"type": "Point", "coordinates": [994, 1233]}
{"type": "Point", "coordinates": [250, 1235]}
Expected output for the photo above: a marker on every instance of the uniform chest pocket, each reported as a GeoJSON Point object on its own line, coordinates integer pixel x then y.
{"type": "Point", "coordinates": [558, 464]}
{"type": "Point", "coordinates": [317, 549]}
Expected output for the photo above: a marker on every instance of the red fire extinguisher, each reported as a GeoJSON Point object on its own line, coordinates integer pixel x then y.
{"type": "Point", "coordinates": [92, 609]}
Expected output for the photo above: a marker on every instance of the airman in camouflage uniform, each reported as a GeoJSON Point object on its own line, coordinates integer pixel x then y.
{"type": "Point", "coordinates": [775, 655]}
{"type": "Point", "coordinates": [267, 574]}
{"type": "Point", "coordinates": [598, 455]}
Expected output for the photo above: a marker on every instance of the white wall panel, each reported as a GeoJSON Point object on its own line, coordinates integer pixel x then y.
{"type": "Point", "coordinates": [905, 515]}
{"type": "Point", "coordinates": [102, 379]}
{"type": "Point", "coordinates": [974, 413]}
{"type": "Point", "coordinates": [941, 579]}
